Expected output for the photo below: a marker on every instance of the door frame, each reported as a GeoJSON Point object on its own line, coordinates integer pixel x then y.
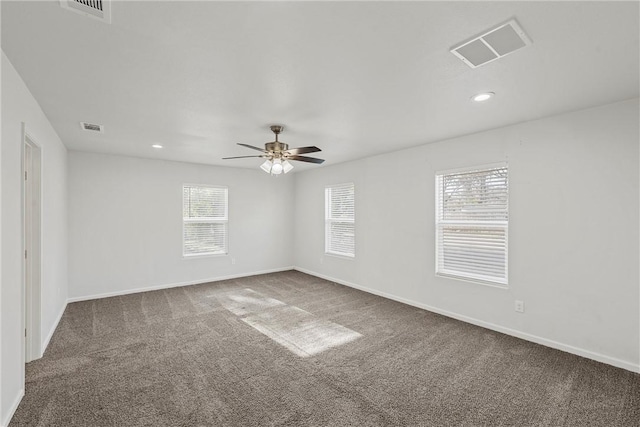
{"type": "Point", "coordinates": [31, 246]}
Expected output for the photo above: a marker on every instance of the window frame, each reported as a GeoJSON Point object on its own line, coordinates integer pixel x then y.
{"type": "Point", "coordinates": [504, 225]}
{"type": "Point", "coordinates": [328, 221]}
{"type": "Point", "coordinates": [224, 221]}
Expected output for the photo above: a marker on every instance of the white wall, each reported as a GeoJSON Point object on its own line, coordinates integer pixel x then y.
{"type": "Point", "coordinates": [573, 232]}
{"type": "Point", "coordinates": [2, 416]}
{"type": "Point", "coordinates": [18, 106]}
{"type": "Point", "coordinates": [125, 219]}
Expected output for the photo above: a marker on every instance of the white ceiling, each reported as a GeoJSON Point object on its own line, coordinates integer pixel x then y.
{"type": "Point", "coordinates": [354, 78]}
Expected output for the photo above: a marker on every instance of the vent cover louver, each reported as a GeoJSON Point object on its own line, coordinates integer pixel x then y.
{"type": "Point", "coordinates": [92, 127]}
{"type": "Point", "coordinates": [491, 45]}
{"type": "Point", "coordinates": [99, 9]}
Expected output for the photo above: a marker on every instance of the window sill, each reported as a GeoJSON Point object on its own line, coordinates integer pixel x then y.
{"type": "Point", "coordinates": [197, 256]}
{"type": "Point", "coordinates": [503, 286]}
{"type": "Point", "coordinates": [349, 257]}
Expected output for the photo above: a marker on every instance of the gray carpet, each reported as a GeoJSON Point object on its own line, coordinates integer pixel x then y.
{"type": "Point", "coordinates": [288, 349]}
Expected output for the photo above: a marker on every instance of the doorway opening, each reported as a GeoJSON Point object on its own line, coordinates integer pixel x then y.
{"type": "Point", "coordinates": [32, 240]}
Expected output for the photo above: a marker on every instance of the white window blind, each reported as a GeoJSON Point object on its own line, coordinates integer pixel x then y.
{"type": "Point", "coordinates": [340, 236]}
{"type": "Point", "coordinates": [472, 218]}
{"type": "Point", "coordinates": [204, 220]}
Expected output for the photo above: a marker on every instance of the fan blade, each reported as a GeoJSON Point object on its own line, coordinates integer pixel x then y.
{"type": "Point", "coordinates": [305, 159]}
{"type": "Point", "coordinates": [252, 147]}
{"type": "Point", "coordinates": [241, 157]}
{"type": "Point", "coordinates": [302, 150]}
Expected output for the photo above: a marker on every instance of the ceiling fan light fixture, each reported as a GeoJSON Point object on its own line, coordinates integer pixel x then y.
{"type": "Point", "coordinates": [266, 166]}
{"type": "Point", "coordinates": [287, 166]}
{"type": "Point", "coordinates": [277, 167]}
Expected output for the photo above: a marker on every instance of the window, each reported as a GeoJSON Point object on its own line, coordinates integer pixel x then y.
{"type": "Point", "coordinates": [471, 224]}
{"type": "Point", "coordinates": [204, 213]}
{"type": "Point", "coordinates": [340, 227]}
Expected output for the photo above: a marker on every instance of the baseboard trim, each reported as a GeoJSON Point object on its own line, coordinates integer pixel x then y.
{"type": "Point", "coordinates": [12, 409]}
{"type": "Point", "coordinates": [508, 331]}
{"type": "Point", "coordinates": [175, 285]}
{"type": "Point", "coordinates": [45, 343]}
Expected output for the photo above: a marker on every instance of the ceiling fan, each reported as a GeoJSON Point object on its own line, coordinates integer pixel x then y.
{"type": "Point", "coordinates": [278, 154]}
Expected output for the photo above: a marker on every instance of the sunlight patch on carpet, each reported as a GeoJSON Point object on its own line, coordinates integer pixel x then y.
{"type": "Point", "coordinates": [247, 301]}
{"type": "Point", "coordinates": [297, 330]}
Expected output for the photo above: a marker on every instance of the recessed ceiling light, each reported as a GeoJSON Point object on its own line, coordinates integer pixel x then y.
{"type": "Point", "coordinates": [483, 96]}
{"type": "Point", "coordinates": [157, 146]}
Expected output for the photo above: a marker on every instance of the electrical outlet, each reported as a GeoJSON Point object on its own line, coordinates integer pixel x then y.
{"type": "Point", "coordinates": [321, 260]}
{"type": "Point", "coordinates": [233, 261]}
{"type": "Point", "coordinates": [520, 306]}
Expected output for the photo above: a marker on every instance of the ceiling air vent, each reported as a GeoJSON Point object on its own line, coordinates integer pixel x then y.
{"type": "Point", "coordinates": [491, 45]}
{"type": "Point", "coordinates": [98, 9]}
{"type": "Point", "coordinates": [92, 127]}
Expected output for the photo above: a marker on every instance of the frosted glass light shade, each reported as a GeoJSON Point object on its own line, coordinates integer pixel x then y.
{"type": "Point", "coordinates": [266, 166]}
{"type": "Point", "coordinates": [287, 166]}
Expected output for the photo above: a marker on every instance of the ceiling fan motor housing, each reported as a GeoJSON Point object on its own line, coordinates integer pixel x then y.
{"type": "Point", "coordinates": [276, 146]}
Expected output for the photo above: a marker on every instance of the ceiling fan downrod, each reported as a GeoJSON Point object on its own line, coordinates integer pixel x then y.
{"type": "Point", "coordinates": [276, 147]}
